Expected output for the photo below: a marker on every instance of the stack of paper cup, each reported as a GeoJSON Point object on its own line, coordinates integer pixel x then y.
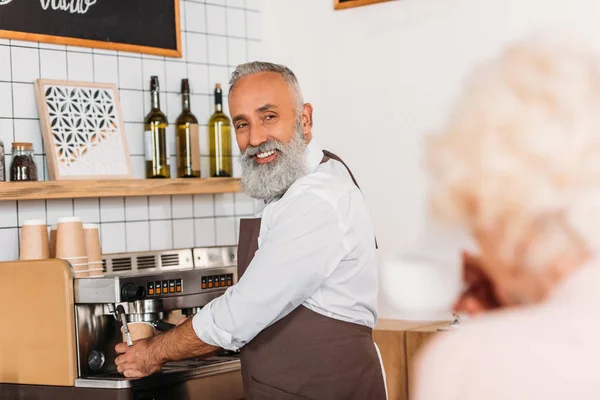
{"type": "Point", "coordinates": [70, 245]}
{"type": "Point", "coordinates": [34, 241]}
{"type": "Point", "coordinates": [93, 249]}
{"type": "Point", "coordinates": [53, 241]}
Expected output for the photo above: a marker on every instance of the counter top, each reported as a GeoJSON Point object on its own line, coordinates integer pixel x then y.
{"type": "Point", "coordinates": [400, 325]}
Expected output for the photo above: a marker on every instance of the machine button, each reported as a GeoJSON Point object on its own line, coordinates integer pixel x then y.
{"type": "Point", "coordinates": [178, 289]}
{"type": "Point", "coordinates": [210, 282]}
{"type": "Point", "coordinates": [204, 285]}
{"type": "Point", "coordinates": [157, 288]}
{"type": "Point", "coordinates": [217, 283]}
{"type": "Point", "coordinates": [172, 286]}
{"type": "Point", "coordinates": [178, 286]}
{"type": "Point", "coordinates": [150, 288]}
{"type": "Point", "coordinates": [223, 279]}
{"type": "Point", "coordinates": [165, 287]}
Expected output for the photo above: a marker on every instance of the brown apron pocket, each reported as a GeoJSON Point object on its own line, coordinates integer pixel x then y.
{"type": "Point", "coordinates": [260, 391]}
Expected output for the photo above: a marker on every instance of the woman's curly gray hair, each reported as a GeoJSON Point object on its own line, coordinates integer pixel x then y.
{"type": "Point", "coordinates": [522, 142]}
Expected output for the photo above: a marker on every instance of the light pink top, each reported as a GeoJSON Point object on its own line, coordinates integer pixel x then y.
{"type": "Point", "coordinates": [548, 352]}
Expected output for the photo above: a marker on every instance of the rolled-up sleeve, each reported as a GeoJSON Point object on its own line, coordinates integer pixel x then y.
{"type": "Point", "coordinates": [297, 254]}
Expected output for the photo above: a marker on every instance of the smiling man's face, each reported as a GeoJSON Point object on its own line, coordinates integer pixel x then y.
{"type": "Point", "coordinates": [272, 131]}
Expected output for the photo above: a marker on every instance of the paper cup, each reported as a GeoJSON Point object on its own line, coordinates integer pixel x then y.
{"type": "Point", "coordinates": [80, 270]}
{"type": "Point", "coordinates": [70, 240]}
{"type": "Point", "coordinates": [139, 330]}
{"type": "Point", "coordinates": [95, 268]}
{"type": "Point", "coordinates": [92, 243]}
{"type": "Point", "coordinates": [34, 241]}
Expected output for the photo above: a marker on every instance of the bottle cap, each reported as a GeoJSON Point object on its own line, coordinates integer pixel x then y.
{"type": "Point", "coordinates": [22, 146]}
{"type": "Point", "coordinates": [154, 86]}
{"type": "Point", "coordinates": [185, 86]}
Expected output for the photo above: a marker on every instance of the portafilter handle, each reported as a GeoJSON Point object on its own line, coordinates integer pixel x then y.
{"type": "Point", "coordinates": [163, 326]}
{"type": "Point", "coordinates": [123, 318]}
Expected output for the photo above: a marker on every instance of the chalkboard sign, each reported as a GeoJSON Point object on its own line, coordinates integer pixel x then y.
{"type": "Point", "coordinates": [343, 4]}
{"type": "Point", "coordinates": [142, 26]}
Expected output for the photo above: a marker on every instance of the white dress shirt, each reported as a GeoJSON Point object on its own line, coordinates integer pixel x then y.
{"type": "Point", "coordinates": [548, 351]}
{"type": "Point", "coordinates": [316, 249]}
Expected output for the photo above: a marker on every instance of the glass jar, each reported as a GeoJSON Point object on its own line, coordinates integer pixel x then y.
{"type": "Point", "coordinates": [23, 166]}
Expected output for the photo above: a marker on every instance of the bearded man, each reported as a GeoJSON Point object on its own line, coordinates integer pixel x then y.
{"type": "Point", "coordinates": [305, 303]}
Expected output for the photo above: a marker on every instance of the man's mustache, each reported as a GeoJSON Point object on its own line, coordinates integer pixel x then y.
{"type": "Point", "coordinates": [269, 145]}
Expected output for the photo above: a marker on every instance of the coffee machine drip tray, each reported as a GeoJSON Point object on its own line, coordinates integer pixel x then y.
{"type": "Point", "coordinates": [171, 372]}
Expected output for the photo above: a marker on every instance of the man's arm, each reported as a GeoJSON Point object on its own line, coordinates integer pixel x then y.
{"type": "Point", "coordinates": [302, 248]}
{"type": "Point", "coordinates": [146, 357]}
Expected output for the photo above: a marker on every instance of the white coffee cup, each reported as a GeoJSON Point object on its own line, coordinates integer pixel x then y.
{"type": "Point", "coordinates": [417, 287]}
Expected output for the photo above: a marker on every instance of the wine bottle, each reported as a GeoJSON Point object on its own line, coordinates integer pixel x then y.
{"type": "Point", "coordinates": [155, 137]}
{"type": "Point", "coordinates": [188, 142]}
{"type": "Point", "coordinates": [219, 131]}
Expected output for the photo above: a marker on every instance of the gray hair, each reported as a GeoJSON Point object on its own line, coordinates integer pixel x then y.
{"type": "Point", "coordinates": [256, 67]}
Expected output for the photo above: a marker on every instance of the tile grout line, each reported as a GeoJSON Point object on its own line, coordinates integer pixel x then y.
{"type": "Point", "coordinates": [14, 140]}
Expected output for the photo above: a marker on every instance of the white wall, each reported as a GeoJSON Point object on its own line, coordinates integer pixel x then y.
{"type": "Point", "coordinates": [382, 76]}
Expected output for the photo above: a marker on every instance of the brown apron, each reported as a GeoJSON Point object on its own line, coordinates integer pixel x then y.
{"type": "Point", "coordinates": [306, 355]}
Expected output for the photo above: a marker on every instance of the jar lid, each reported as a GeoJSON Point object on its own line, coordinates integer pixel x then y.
{"type": "Point", "coordinates": [22, 145]}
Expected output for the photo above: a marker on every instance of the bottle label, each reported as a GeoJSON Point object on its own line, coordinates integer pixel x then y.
{"type": "Point", "coordinates": [195, 144]}
{"type": "Point", "coordinates": [149, 145]}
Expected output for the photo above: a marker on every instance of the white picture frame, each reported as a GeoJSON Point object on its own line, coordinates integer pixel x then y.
{"type": "Point", "coordinates": [83, 130]}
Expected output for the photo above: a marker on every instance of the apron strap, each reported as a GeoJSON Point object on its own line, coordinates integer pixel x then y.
{"type": "Point", "coordinates": [327, 155]}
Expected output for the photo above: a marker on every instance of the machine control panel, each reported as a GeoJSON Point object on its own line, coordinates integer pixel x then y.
{"type": "Point", "coordinates": [167, 286]}
{"type": "Point", "coordinates": [217, 281]}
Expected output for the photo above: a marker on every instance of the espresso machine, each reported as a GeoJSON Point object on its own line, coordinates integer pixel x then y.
{"type": "Point", "coordinates": [154, 287]}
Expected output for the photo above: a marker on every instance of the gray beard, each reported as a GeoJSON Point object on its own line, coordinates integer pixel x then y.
{"type": "Point", "coordinates": [269, 181]}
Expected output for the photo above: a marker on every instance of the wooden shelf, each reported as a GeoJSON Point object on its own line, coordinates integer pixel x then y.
{"type": "Point", "coordinates": [113, 188]}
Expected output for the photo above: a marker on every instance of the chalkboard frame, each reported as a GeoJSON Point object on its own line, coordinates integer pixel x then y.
{"type": "Point", "coordinates": [97, 44]}
{"type": "Point", "coordinates": [344, 4]}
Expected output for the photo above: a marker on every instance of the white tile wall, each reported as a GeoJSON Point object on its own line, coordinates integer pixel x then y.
{"type": "Point", "coordinates": [183, 236]}
{"type": "Point", "coordinates": [160, 207]}
{"type": "Point", "coordinates": [113, 237]}
{"type": "Point", "coordinates": [10, 244]}
{"type": "Point", "coordinates": [204, 232]}
{"type": "Point", "coordinates": [25, 64]}
{"type": "Point", "coordinates": [236, 22]}
{"type": "Point", "coordinates": [183, 206]}
{"type": "Point", "coordinates": [81, 66]}
{"type": "Point", "coordinates": [161, 236]}
{"type": "Point", "coordinates": [225, 230]}
{"type": "Point", "coordinates": [53, 64]}
{"type": "Point", "coordinates": [88, 210]}
{"type": "Point", "coordinates": [5, 70]}
{"type": "Point", "coordinates": [217, 35]}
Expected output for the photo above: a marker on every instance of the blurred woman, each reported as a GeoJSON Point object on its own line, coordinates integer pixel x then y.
{"type": "Point", "coordinates": [518, 165]}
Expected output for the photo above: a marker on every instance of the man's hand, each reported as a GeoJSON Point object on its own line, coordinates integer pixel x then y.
{"type": "Point", "coordinates": [147, 356]}
{"type": "Point", "coordinates": [137, 361]}
{"type": "Point", "coordinates": [479, 295]}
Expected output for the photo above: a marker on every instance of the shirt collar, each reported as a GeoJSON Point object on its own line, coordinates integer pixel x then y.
{"type": "Point", "coordinates": [313, 155]}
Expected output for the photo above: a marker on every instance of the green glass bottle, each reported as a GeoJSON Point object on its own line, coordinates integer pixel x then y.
{"type": "Point", "coordinates": [219, 131]}
{"type": "Point", "coordinates": [155, 137]}
{"type": "Point", "coordinates": [188, 141]}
